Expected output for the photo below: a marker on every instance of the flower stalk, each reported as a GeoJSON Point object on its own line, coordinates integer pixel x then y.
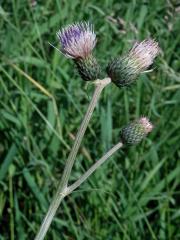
{"type": "Point", "coordinates": [93, 168]}
{"type": "Point", "coordinates": [62, 189]}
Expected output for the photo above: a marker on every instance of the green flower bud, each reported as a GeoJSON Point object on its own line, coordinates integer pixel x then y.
{"type": "Point", "coordinates": [134, 132]}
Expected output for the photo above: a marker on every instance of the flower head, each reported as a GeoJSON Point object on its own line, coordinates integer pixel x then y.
{"type": "Point", "coordinates": [77, 40]}
{"type": "Point", "coordinates": [134, 132]}
{"type": "Point", "coordinates": [124, 70]}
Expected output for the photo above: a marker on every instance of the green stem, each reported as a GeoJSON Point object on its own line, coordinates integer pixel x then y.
{"type": "Point", "coordinates": [93, 168]}
{"type": "Point", "coordinates": [61, 191]}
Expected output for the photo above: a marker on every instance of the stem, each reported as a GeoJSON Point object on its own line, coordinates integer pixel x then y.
{"type": "Point", "coordinates": [100, 84]}
{"type": "Point", "coordinates": [93, 168]}
{"type": "Point", "coordinates": [61, 191]}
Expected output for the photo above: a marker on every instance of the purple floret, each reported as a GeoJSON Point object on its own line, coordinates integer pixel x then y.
{"type": "Point", "coordinates": [73, 33]}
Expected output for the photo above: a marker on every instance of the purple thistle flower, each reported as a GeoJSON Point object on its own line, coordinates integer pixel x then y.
{"type": "Point", "coordinates": [77, 40]}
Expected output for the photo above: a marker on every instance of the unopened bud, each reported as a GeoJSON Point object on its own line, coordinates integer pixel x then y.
{"type": "Point", "coordinates": [134, 132]}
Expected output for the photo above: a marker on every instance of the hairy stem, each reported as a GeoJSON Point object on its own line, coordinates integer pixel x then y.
{"type": "Point", "coordinates": [93, 168]}
{"type": "Point", "coordinates": [61, 191]}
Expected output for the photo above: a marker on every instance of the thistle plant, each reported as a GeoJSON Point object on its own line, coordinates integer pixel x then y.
{"type": "Point", "coordinates": [77, 42]}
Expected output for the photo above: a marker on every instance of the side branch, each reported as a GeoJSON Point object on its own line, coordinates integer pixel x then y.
{"type": "Point", "coordinates": [93, 168]}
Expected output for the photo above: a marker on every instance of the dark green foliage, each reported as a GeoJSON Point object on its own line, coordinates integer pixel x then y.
{"type": "Point", "coordinates": [135, 195]}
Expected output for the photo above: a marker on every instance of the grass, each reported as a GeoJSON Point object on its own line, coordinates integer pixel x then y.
{"type": "Point", "coordinates": [42, 101]}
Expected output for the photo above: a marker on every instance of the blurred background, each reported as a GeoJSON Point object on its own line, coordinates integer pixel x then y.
{"type": "Point", "coordinates": [133, 196]}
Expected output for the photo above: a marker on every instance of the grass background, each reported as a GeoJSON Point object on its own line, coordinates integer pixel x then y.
{"type": "Point", "coordinates": [135, 195]}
